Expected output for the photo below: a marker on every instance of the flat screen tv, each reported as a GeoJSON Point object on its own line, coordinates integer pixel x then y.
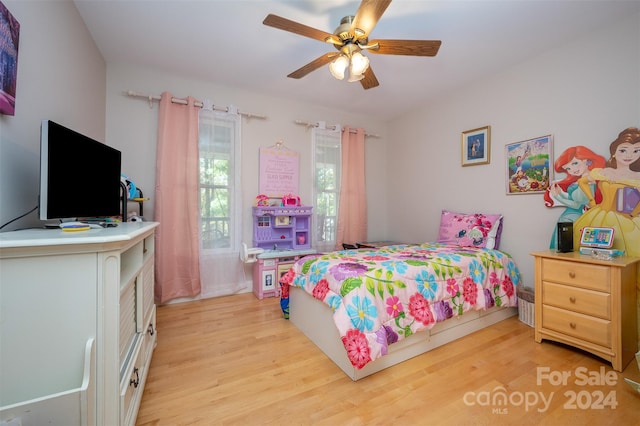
{"type": "Point", "coordinates": [79, 176]}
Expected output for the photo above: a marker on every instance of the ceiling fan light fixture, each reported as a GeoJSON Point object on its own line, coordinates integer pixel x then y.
{"type": "Point", "coordinates": [349, 39]}
{"type": "Point", "coordinates": [355, 77]}
{"type": "Point", "coordinates": [359, 64]}
{"type": "Point", "coordinates": [338, 67]}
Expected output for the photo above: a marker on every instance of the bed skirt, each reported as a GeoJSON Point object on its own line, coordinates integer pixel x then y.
{"type": "Point", "coordinates": [315, 320]}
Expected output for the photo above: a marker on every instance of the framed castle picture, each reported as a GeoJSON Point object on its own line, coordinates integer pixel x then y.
{"type": "Point", "coordinates": [528, 165]}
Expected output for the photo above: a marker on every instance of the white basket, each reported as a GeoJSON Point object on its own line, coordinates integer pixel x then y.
{"type": "Point", "coordinates": [526, 312]}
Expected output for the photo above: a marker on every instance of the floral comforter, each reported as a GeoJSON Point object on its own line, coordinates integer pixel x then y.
{"type": "Point", "coordinates": [381, 296]}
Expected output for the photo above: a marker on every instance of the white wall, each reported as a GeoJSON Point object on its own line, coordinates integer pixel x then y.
{"type": "Point", "coordinates": [583, 93]}
{"type": "Point", "coordinates": [132, 124]}
{"type": "Point", "coordinates": [62, 77]}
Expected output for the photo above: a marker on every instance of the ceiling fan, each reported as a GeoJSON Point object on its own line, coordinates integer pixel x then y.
{"type": "Point", "coordinates": [350, 39]}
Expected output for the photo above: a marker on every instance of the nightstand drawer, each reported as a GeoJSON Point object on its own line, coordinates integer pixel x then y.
{"type": "Point", "coordinates": [575, 299]}
{"type": "Point", "coordinates": [594, 277]}
{"type": "Point", "coordinates": [577, 325]}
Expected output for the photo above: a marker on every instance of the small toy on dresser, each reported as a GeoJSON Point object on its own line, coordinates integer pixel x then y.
{"type": "Point", "coordinates": [597, 242]}
{"type": "Point", "coordinates": [290, 200]}
{"type": "Point", "coordinates": [262, 200]}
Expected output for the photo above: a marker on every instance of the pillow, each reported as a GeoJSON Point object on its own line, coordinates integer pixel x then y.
{"type": "Point", "coordinates": [470, 230]}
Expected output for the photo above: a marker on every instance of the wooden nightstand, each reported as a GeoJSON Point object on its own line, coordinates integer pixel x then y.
{"type": "Point", "coordinates": [587, 303]}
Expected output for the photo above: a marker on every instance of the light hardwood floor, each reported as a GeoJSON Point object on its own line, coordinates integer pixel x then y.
{"type": "Point", "coordinates": [235, 361]}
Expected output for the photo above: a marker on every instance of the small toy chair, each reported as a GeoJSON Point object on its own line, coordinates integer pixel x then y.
{"type": "Point", "coordinates": [250, 255]}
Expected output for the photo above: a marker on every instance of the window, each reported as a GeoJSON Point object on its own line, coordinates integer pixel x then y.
{"type": "Point", "coordinates": [219, 150]}
{"type": "Point", "coordinates": [326, 186]}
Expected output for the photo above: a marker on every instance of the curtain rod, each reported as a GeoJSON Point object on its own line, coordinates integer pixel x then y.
{"type": "Point", "coordinates": [323, 125]}
{"type": "Point", "coordinates": [152, 98]}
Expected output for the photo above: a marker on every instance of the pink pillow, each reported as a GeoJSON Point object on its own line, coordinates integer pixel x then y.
{"type": "Point", "coordinates": [470, 230]}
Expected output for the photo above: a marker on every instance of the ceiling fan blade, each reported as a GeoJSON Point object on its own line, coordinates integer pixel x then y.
{"type": "Point", "coordinates": [313, 65]}
{"type": "Point", "coordinates": [367, 16]}
{"type": "Point", "coordinates": [406, 47]}
{"type": "Point", "coordinates": [300, 29]}
{"type": "Point", "coordinates": [369, 79]}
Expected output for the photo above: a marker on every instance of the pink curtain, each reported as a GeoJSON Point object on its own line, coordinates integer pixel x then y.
{"type": "Point", "coordinates": [352, 210]}
{"type": "Point", "coordinates": [176, 201]}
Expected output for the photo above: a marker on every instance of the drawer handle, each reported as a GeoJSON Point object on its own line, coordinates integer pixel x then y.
{"type": "Point", "coordinates": [572, 299]}
{"type": "Point", "coordinates": [572, 325]}
{"type": "Point", "coordinates": [135, 382]}
{"type": "Point", "coordinates": [150, 330]}
{"type": "Point", "coordinates": [572, 274]}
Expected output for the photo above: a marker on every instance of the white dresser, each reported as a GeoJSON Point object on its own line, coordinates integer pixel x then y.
{"type": "Point", "coordinates": [77, 324]}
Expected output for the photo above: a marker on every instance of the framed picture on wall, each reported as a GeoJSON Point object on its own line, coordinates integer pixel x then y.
{"type": "Point", "coordinates": [528, 165]}
{"type": "Point", "coordinates": [9, 37]}
{"type": "Point", "coordinates": [476, 146]}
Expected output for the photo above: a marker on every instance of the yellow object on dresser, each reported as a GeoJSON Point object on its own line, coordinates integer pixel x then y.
{"type": "Point", "coordinates": [588, 303]}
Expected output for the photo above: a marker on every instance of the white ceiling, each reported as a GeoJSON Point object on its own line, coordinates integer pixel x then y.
{"type": "Point", "coordinates": [225, 42]}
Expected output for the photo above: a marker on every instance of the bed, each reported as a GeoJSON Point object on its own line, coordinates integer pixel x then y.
{"type": "Point", "coordinates": [370, 308]}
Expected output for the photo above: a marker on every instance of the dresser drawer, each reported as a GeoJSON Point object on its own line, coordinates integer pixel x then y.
{"type": "Point", "coordinates": [132, 384]}
{"type": "Point", "coordinates": [150, 335]}
{"type": "Point", "coordinates": [595, 303]}
{"type": "Point", "coordinates": [583, 327]}
{"type": "Point", "coordinates": [585, 275]}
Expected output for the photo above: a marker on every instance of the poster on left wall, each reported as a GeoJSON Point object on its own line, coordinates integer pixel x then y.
{"type": "Point", "coordinates": [279, 169]}
{"type": "Point", "coordinates": [9, 36]}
